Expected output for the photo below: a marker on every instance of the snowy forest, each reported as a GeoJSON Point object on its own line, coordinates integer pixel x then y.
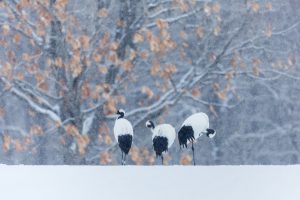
{"type": "Point", "coordinates": [67, 66]}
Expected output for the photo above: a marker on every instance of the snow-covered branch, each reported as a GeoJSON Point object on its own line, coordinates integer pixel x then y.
{"type": "Point", "coordinates": [14, 129]}
{"type": "Point", "coordinates": [174, 19]}
{"type": "Point", "coordinates": [52, 115]}
{"type": "Point", "coordinates": [39, 41]}
{"type": "Point", "coordinates": [286, 30]}
{"type": "Point", "coordinates": [225, 105]}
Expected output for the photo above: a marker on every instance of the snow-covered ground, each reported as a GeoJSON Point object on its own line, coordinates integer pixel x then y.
{"type": "Point", "coordinates": [150, 183]}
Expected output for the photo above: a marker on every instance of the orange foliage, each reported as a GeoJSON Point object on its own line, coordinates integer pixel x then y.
{"type": "Point", "coordinates": [196, 92]}
{"type": "Point", "coordinates": [36, 130]}
{"type": "Point", "coordinates": [137, 38]}
{"type": "Point", "coordinates": [146, 90]}
{"type": "Point", "coordinates": [255, 7]}
{"type": "Point", "coordinates": [5, 29]}
{"type": "Point", "coordinates": [103, 13]}
{"type": "Point", "coordinates": [200, 31]}
{"type": "Point", "coordinates": [6, 143]}
{"type": "Point", "coordinates": [185, 159]}
{"type": "Point", "coordinates": [2, 112]}
{"type": "Point", "coordinates": [105, 158]}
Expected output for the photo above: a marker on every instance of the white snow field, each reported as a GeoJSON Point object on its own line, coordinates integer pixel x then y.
{"type": "Point", "coordinates": [149, 183]}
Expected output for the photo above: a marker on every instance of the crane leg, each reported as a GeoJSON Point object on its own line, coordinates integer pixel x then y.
{"type": "Point", "coordinates": [193, 149]}
{"type": "Point", "coordinates": [162, 160]}
{"type": "Point", "coordinates": [124, 163]}
{"type": "Point", "coordinates": [122, 158]}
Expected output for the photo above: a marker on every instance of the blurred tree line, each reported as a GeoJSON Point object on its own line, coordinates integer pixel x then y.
{"type": "Point", "coordinates": [66, 66]}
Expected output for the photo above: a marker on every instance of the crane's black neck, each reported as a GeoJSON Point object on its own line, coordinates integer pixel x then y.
{"type": "Point", "coordinates": [152, 126]}
{"type": "Point", "coordinates": [121, 115]}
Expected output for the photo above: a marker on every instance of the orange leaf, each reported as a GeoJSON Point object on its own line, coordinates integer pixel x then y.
{"type": "Point", "coordinates": [104, 158]}
{"type": "Point", "coordinates": [200, 31]}
{"type": "Point", "coordinates": [107, 139]}
{"type": "Point", "coordinates": [58, 62]}
{"type": "Point", "coordinates": [127, 65]}
{"type": "Point", "coordinates": [85, 90]}
{"type": "Point", "coordinates": [25, 57]}
{"type": "Point", "coordinates": [256, 62]}
{"type": "Point", "coordinates": [44, 86]}
{"type": "Point", "coordinates": [6, 143]}
{"type": "Point", "coordinates": [18, 146]}
{"type": "Point", "coordinates": [111, 105]}
{"type": "Point", "coordinates": [155, 69]}
{"type": "Point", "coordinates": [161, 24]}
{"type": "Point", "coordinates": [132, 54]}
{"type": "Point", "coordinates": [82, 141]}
{"type": "Point", "coordinates": [36, 130]}
{"type": "Point", "coordinates": [183, 35]}
{"type": "Point", "coordinates": [103, 70]}
{"type": "Point", "coordinates": [103, 13]}
{"type": "Point", "coordinates": [137, 38]}
{"type": "Point", "coordinates": [268, 31]}
{"type": "Point", "coordinates": [144, 54]}
{"type": "Point", "coordinates": [7, 69]}
{"type": "Point", "coordinates": [105, 39]}
{"type": "Point", "coordinates": [5, 29]}
{"type": "Point", "coordinates": [84, 41]}
{"type": "Point", "coordinates": [185, 160]}
{"type": "Point", "coordinates": [113, 57]}
{"type": "Point", "coordinates": [196, 92]}
{"type": "Point", "coordinates": [17, 38]}
{"type": "Point", "coordinates": [233, 62]}
{"type": "Point", "coordinates": [154, 44]}
{"type": "Point", "coordinates": [255, 7]}
{"type": "Point", "coordinates": [148, 91]}
{"type": "Point", "coordinates": [114, 46]}
{"type": "Point", "coordinates": [269, 6]}
{"type": "Point", "coordinates": [256, 71]}
{"type": "Point", "coordinates": [216, 7]}
{"type": "Point", "coordinates": [213, 110]}
{"type": "Point", "coordinates": [97, 57]}
{"type": "Point", "coordinates": [61, 3]}
{"type": "Point", "coordinates": [2, 112]}
{"type": "Point", "coordinates": [39, 77]}
{"type": "Point", "coordinates": [222, 95]}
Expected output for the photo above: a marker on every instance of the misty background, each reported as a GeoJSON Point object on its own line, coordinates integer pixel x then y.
{"type": "Point", "coordinates": [66, 66]}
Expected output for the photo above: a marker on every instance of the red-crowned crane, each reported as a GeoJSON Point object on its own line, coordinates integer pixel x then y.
{"type": "Point", "coordinates": [163, 137]}
{"type": "Point", "coordinates": [192, 128]}
{"type": "Point", "coordinates": [123, 132]}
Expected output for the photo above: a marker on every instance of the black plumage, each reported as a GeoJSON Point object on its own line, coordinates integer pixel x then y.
{"type": "Point", "coordinates": [125, 142]}
{"type": "Point", "coordinates": [186, 133]}
{"type": "Point", "coordinates": [210, 132]}
{"type": "Point", "coordinates": [160, 145]}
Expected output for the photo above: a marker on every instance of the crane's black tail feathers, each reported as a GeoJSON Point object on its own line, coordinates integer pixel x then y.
{"type": "Point", "coordinates": [160, 145]}
{"type": "Point", "coordinates": [125, 142]}
{"type": "Point", "coordinates": [210, 133]}
{"type": "Point", "coordinates": [185, 134]}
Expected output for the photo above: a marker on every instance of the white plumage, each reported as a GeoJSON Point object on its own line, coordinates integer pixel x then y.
{"type": "Point", "coordinates": [163, 137]}
{"type": "Point", "coordinates": [199, 122]}
{"type": "Point", "coordinates": [123, 133]}
{"type": "Point", "coordinates": [122, 127]}
{"type": "Point", "coordinates": [165, 130]}
{"type": "Point", "coordinates": [192, 128]}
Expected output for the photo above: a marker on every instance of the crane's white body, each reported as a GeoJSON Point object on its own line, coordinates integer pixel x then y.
{"type": "Point", "coordinates": [199, 122]}
{"type": "Point", "coordinates": [122, 127]}
{"type": "Point", "coordinates": [165, 130]}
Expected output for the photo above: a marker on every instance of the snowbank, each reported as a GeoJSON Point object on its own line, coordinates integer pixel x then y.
{"type": "Point", "coordinates": [150, 183]}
